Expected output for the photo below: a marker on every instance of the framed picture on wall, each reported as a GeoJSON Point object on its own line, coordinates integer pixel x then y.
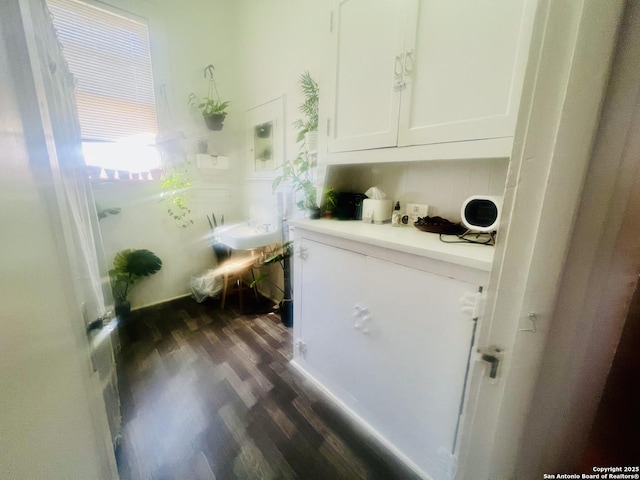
{"type": "Point", "coordinates": [265, 137]}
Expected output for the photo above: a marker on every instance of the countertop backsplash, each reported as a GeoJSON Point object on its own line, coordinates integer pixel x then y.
{"type": "Point", "coordinates": [444, 185]}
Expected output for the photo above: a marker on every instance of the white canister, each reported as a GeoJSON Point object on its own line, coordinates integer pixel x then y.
{"type": "Point", "coordinates": [377, 211]}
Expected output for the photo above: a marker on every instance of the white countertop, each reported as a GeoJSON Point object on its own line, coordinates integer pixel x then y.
{"type": "Point", "coordinates": [406, 239]}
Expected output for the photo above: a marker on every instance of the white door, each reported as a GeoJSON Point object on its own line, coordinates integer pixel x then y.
{"type": "Point", "coordinates": [331, 346]}
{"type": "Point", "coordinates": [463, 69]}
{"type": "Point", "coordinates": [415, 362]}
{"type": "Point", "coordinates": [43, 89]}
{"type": "Point", "coordinates": [367, 43]}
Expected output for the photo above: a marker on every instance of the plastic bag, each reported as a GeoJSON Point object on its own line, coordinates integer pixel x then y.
{"type": "Point", "coordinates": [205, 284]}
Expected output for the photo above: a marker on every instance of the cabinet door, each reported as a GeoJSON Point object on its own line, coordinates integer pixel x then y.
{"type": "Point", "coordinates": [464, 66]}
{"type": "Point", "coordinates": [415, 359]}
{"type": "Point", "coordinates": [367, 37]}
{"type": "Point", "coordinates": [332, 280]}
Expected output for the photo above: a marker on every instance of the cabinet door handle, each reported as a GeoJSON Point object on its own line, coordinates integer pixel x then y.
{"type": "Point", "coordinates": [397, 68]}
{"type": "Point", "coordinates": [408, 63]}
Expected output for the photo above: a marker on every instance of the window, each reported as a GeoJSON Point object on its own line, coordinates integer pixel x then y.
{"type": "Point", "coordinates": [109, 56]}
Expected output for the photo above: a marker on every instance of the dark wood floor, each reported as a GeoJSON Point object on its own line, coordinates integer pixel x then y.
{"type": "Point", "coordinates": [208, 394]}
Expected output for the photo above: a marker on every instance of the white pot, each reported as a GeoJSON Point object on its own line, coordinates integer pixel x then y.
{"type": "Point", "coordinates": [311, 141]}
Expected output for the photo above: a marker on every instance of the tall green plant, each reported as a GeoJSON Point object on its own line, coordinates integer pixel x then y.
{"type": "Point", "coordinates": [309, 107]}
{"type": "Point", "coordinates": [299, 171]}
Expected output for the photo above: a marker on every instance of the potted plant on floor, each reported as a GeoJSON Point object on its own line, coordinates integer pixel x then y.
{"type": "Point", "coordinates": [212, 108]}
{"type": "Point", "coordinates": [282, 256]}
{"type": "Point", "coordinates": [129, 267]}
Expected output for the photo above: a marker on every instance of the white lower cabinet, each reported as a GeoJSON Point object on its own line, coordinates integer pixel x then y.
{"type": "Point", "coordinates": [391, 342]}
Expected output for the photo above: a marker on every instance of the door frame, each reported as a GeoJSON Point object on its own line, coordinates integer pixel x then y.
{"type": "Point", "coordinates": [569, 63]}
{"type": "Point", "coordinates": [599, 278]}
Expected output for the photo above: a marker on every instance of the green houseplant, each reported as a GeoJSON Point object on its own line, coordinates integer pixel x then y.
{"type": "Point", "coordinates": [299, 171]}
{"type": "Point", "coordinates": [213, 111]}
{"type": "Point", "coordinates": [212, 108]}
{"type": "Point", "coordinates": [281, 255]}
{"type": "Point", "coordinates": [175, 190]}
{"type": "Point", "coordinates": [309, 108]}
{"type": "Point", "coordinates": [129, 267]}
{"type": "Point", "coordinates": [329, 202]}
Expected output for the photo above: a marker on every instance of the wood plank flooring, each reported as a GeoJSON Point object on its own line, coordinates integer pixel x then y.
{"type": "Point", "coordinates": [207, 394]}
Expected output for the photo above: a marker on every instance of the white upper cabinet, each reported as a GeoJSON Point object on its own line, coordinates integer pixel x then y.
{"type": "Point", "coordinates": [421, 72]}
{"type": "Point", "coordinates": [370, 36]}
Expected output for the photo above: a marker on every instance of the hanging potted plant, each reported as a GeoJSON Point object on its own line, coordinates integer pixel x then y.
{"type": "Point", "coordinates": [212, 108]}
{"type": "Point", "coordinates": [129, 267]}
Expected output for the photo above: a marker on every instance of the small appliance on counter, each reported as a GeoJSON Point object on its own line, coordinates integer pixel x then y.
{"type": "Point", "coordinates": [349, 206]}
{"type": "Point", "coordinates": [481, 213]}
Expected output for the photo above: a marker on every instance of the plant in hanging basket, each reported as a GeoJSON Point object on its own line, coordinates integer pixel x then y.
{"type": "Point", "coordinates": [213, 111]}
{"type": "Point", "coordinates": [212, 108]}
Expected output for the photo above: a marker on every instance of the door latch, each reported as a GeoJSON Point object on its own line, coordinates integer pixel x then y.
{"type": "Point", "coordinates": [491, 355]}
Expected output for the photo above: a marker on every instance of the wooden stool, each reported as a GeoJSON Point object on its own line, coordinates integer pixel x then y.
{"type": "Point", "coordinates": [232, 272]}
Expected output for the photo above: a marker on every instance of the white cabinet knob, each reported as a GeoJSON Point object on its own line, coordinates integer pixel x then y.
{"type": "Point", "coordinates": [301, 252]}
{"type": "Point", "coordinates": [302, 347]}
{"type": "Point", "coordinates": [361, 318]}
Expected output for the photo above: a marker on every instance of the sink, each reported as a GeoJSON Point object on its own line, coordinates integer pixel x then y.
{"type": "Point", "coordinates": [245, 237]}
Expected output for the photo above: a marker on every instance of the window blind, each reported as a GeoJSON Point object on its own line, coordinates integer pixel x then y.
{"type": "Point", "coordinates": [109, 56]}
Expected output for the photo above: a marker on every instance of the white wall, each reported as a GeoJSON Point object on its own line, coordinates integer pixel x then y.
{"type": "Point", "coordinates": [185, 37]}
{"type": "Point", "coordinates": [278, 41]}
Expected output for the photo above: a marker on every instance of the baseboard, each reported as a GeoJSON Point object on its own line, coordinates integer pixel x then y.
{"type": "Point", "coordinates": [166, 300]}
{"type": "Point", "coordinates": [359, 421]}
